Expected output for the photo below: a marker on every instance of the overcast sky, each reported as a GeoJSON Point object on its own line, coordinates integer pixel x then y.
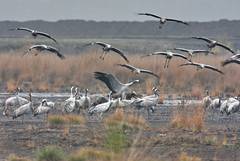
{"type": "Point", "coordinates": [108, 10]}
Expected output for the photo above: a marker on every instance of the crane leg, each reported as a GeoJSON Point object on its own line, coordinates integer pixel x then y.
{"type": "Point", "coordinates": [5, 111]}
{"type": "Point", "coordinates": [168, 63]}
{"type": "Point", "coordinates": [148, 114]}
{"type": "Point", "coordinates": [104, 54]}
{"type": "Point", "coordinates": [165, 63]}
{"type": "Point", "coordinates": [160, 25]}
{"type": "Point", "coordinates": [101, 117]}
{"type": "Point", "coordinates": [101, 56]}
{"type": "Point", "coordinates": [22, 119]}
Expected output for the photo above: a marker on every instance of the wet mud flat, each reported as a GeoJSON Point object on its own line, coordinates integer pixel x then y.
{"type": "Point", "coordinates": [219, 139]}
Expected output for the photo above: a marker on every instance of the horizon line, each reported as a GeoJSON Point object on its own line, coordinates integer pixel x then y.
{"type": "Point", "coordinates": [52, 21]}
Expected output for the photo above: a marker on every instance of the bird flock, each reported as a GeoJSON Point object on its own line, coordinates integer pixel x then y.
{"type": "Point", "coordinates": [227, 105]}
{"type": "Point", "coordinates": [119, 95]}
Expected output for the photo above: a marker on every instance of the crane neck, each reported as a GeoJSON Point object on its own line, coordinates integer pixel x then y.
{"type": "Point", "coordinates": [72, 91]}
{"type": "Point", "coordinates": [109, 97]}
{"type": "Point", "coordinates": [133, 82]}
{"type": "Point", "coordinates": [86, 93]}
{"type": "Point", "coordinates": [30, 97]}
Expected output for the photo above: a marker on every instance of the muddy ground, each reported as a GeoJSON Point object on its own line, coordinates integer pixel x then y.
{"type": "Point", "coordinates": [219, 139]}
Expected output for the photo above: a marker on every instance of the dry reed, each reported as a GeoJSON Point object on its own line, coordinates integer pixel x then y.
{"type": "Point", "coordinates": [48, 73]}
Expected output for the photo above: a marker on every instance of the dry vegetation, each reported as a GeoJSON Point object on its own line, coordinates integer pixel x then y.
{"type": "Point", "coordinates": [48, 73]}
{"type": "Point", "coordinates": [185, 157]}
{"type": "Point", "coordinates": [65, 119]}
{"type": "Point", "coordinates": [193, 120]}
{"type": "Point", "coordinates": [129, 120]}
{"type": "Point", "coordinates": [13, 157]}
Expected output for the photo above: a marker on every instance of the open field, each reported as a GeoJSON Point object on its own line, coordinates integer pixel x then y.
{"type": "Point", "coordinates": [174, 132]}
{"type": "Point", "coordinates": [156, 138]}
{"type": "Point", "coordinates": [130, 45]}
{"type": "Point", "coordinates": [47, 73]}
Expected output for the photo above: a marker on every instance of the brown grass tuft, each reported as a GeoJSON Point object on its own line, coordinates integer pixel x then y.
{"type": "Point", "coordinates": [11, 85]}
{"type": "Point", "coordinates": [13, 157]}
{"type": "Point", "coordinates": [130, 120]}
{"type": "Point", "coordinates": [74, 119]}
{"type": "Point", "coordinates": [185, 157]}
{"type": "Point", "coordinates": [65, 119]}
{"type": "Point", "coordinates": [193, 120]}
{"type": "Point", "coordinates": [91, 154]}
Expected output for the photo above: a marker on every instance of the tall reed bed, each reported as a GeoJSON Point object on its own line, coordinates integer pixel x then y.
{"type": "Point", "coordinates": [46, 72]}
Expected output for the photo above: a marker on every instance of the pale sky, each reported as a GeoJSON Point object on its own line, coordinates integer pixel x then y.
{"type": "Point", "coordinates": [115, 10]}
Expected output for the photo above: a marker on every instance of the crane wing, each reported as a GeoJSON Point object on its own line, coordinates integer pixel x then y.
{"type": "Point", "coordinates": [149, 72]}
{"type": "Point", "coordinates": [203, 38]}
{"type": "Point", "coordinates": [150, 14]}
{"type": "Point", "coordinates": [120, 53]}
{"type": "Point", "coordinates": [178, 21]}
{"type": "Point", "coordinates": [132, 68]}
{"type": "Point", "coordinates": [111, 82]}
{"type": "Point", "coordinates": [23, 29]}
{"type": "Point", "coordinates": [156, 53]}
{"type": "Point", "coordinates": [225, 47]}
{"type": "Point", "coordinates": [56, 51]}
{"type": "Point", "coordinates": [180, 56]}
{"type": "Point", "coordinates": [46, 35]}
{"type": "Point", "coordinates": [213, 68]}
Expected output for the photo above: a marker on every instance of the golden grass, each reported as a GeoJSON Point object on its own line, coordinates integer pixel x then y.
{"type": "Point", "coordinates": [48, 73]}
{"type": "Point", "coordinates": [13, 157]}
{"type": "Point", "coordinates": [91, 154]}
{"type": "Point", "coordinates": [74, 119]}
{"type": "Point", "coordinates": [225, 140]}
{"type": "Point", "coordinates": [129, 120]}
{"type": "Point", "coordinates": [185, 157]}
{"type": "Point", "coordinates": [192, 121]}
{"type": "Point", "coordinates": [65, 119]}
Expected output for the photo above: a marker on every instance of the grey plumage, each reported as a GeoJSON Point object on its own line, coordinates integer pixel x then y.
{"type": "Point", "coordinates": [44, 108]}
{"type": "Point", "coordinates": [24, 109]}
{"type": "Point", "coordinates": [101, 108]}
{"type": "Point", "coordinates": [163, 20]}
{"type": "Point", "coordinates": [51, 49]}
{"type": "Point", "coordinates": [234, 59]}
{"type": "Point", "coordinates": [202, 66]}
{"type": "Point", "coordinates": [113, 83]}
{"type": "Point", "coordinates": [213, 43]}
{"type": "Point", "coordinates": [35, 33]}
{"type": "Point", "coordinates": [107, 48]}
{"type": "Point", "coordinates": [137, 70]}
{"type": "Point", "coordinates": [226, 62]}
{"type": "Point", "coordinates": [168, 56]}
{"type": "Point", "coordinates": [191, 52]}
